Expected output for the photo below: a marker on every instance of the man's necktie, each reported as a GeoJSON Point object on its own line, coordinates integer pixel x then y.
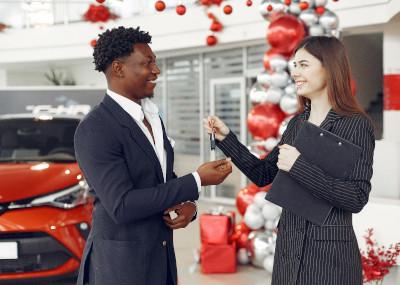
{"type": "Point", "coordinates": [148, 126]}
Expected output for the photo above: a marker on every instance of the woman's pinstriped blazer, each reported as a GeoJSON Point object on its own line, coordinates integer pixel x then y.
{"type": "Point", "coordinates": [307, 254]}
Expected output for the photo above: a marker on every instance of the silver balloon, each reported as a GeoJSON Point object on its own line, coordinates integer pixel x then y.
{"type": "Point", "coordinates": [309, 17]}
{"type": "Point", "coordinates": [279, 79]}
{"type": "Point", "coordinates": [319, 3]}
{"type": "Point", "coordinates": [329, 20]}
{"type": "Point", "coordinates": [289, 104]}
{"type": "Point", "coordinates": [243, 256]}
{"type": "Point", "coordinates": [261, 245]}
{"type": "Point", "coordinates": [283, 126]}
{"type": "Point", "coordinates": [316, 30]}
{"type": "Point", "coordinates": [274, 95]}
{"type": "Point", "coordinates": [258, 93]}
{"type": "Point", "coordinates": [278, 63]}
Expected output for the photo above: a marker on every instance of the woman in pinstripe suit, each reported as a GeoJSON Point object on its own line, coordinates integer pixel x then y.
{"type": "Point", "coordinates": [308, 254]}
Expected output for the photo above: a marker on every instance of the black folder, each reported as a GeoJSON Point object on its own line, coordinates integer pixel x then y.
{"type": "Point", "coordinates": [331, 153]}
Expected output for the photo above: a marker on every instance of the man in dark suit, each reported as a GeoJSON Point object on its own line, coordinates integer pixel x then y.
{"type": "Point", "coordinates": [127, 159]}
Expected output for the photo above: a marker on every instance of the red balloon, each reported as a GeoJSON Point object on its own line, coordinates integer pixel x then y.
{"type": "Point", "coordinates": [320, 10]}
{"type": "Point", "coordinates": [284, 33]}
{"type": "Point", "coordinates": [160, 6]}
{"type": "Point", "coordinates": [93, 43]}
{"type": "Point", "coordinates": [240, 235]}
{"type": "Point", "coordinates": [100, 1]}
{"type": "Point", "coordinates": [228, 9]}
{"type": "Point", "coordinates": [180, 10]}
{"type": "Point", "coordinates": [216, 26]}
{"type": "Point", "coordinates": [264, 120]}
{"type": "Point", "coordinates": [211, 40]}
{"type": "Point", "coordinates": [249, 3]}
{"type": "Point", "coordinates": [245, 197]}
{"type": "Point", "coordinates": [304, 5]}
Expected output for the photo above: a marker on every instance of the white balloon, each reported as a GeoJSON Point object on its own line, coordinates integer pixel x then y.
{"type": "Point", "coordinates": [319, 3]}
{"type": "Point", "coordinates": [279, 79]}
{"type": "Point", "coordinates": [264, 78]}
{"type": "Point", "coordinates": [243, 256]}
{"type": "Point", "coordinates": [270, 225]}
{"type": "Point", "coordinates": [258, 93]}
{"type": "Point", "coordinates": [329, 20]}
{"type": "Point", "coordinates": [316, 30]}
{"type": "Point", "coordinates": [283, 126]}
{"type": "Point", "coordinates": [254, 208]}
{"type": "Point", "coordinates": [309, 17]}
{"type": "Point", "coordinates": [270, 212]}
{"type": "Point", "coordinates": [278, 63]}
{"type": "Point", "coordinates": [290, 89]}
{"type": "Point", "coordinates": [289, 104]}
{"type": "Point", "coordinates": [273, 95]}
{"type": "Point", "coordinates": [268, 263]}
{"type": "Point", "coordinates": [253, 220]}
{"type": "Point", "coordinates": [259, 200]}
{"type": "Point", "coordinates": [270, 143]}
{"type": "Point", "coordinates": [294, 8]}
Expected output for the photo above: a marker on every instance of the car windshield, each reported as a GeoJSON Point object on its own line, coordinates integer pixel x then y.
{"type": "Point", "coordinates": [30, 139]}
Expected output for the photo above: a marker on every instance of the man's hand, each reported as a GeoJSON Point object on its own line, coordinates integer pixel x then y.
{"type": "Point", "coordinates": [185, 212]}
{"type": "Point", "coordinates": [214, 172]}
{"type": "Point", "coordinates": [287, 157]}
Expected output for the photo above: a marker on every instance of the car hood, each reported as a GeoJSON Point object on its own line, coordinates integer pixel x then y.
{"type": "Point", "coordinates": [25, 180]}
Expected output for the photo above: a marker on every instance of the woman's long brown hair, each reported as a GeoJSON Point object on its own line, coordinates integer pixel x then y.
{"type": "Point", "coordinates": [332, 54]}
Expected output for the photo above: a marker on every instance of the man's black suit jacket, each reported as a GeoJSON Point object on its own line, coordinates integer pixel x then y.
{"type": "Point", "coordinates": [129, 242]}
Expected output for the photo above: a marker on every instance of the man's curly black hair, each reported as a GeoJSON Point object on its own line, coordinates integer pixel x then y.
{"type": "Point", "coordinates": [117, 43]}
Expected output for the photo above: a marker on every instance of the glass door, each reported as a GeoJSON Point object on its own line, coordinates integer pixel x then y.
{"type": "Point", "coordinates": [227, 100]}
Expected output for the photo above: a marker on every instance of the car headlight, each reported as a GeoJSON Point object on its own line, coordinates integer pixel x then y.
{"type": "Point", "coordinates": [66, 199]}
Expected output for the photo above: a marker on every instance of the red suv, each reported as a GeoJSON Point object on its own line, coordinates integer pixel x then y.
{"type": "Point", "coordinates": [45, 206]}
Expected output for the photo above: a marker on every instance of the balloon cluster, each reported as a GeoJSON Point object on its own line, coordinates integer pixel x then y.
{"type": "Point", "coordinates": [255, 236]}
{"type": "Point", "coordinates": [273, 95]}
{"type": "Point", "coordinates": [216, 25]}
{"type": "Point", "coordinates": [98, 13]}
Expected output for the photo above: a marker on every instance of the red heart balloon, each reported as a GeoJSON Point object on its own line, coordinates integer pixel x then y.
{"type": "Point", "coordinates": [264, 120]}
{"type": "Point", "coordinates": [284, 33]}
{"type": "Point", "coordinates": [245, 197]}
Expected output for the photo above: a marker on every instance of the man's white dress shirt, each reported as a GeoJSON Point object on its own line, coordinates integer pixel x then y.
{"type": "Point", "coordinates": [149, 110]}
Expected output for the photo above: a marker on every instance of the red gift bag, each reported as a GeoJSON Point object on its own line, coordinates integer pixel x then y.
{"type": "Point", "coordinates": [218, 258]}
{"type": "Point", "coordinates": [216, 229]}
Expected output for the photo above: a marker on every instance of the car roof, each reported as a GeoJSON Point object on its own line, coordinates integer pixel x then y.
{"type": "Point", "coordinates": [40, 116]}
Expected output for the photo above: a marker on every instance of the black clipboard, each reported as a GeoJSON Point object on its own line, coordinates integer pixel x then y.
{"type": "Point", "coordinates": [331, 153]}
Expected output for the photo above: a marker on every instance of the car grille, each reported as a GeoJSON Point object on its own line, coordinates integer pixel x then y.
{"type": "Point", "coordinates": [36, 252]}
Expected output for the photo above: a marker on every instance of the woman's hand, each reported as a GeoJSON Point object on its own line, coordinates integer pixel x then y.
{"type": "Point", "coordinates": [220, 129]}
{"type": "Point", "coordinates": [287, 157]}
